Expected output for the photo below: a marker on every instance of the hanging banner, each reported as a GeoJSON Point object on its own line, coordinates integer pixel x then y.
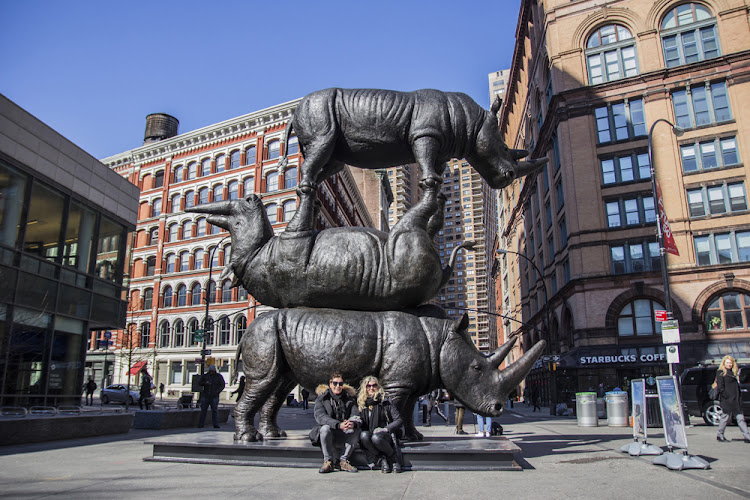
{"type": "Point", "coordinates": [638, 398]}
{"type": "Point", "coordinates": [671, 412]}
{"type": "Point", "coordinates": [669, 244]}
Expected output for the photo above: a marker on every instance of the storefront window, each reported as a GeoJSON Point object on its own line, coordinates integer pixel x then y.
{"type": "Point", "coordinates": [13, 187]}
{"type": "Point", "coordinates": [637, 318]}
{"type": "Point", "coordinates": [177, 372]}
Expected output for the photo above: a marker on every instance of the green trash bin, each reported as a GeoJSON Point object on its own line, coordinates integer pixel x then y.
{"type": "Point", "coordinates": [586, 411]}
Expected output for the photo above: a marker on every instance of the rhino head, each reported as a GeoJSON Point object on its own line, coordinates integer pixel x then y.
{"type": "Point", "coordinates": [247, 223]}
{"type": "Point", "coordinates": [474, 378]}
{"type": "Point", "coordinates": [493, 160]}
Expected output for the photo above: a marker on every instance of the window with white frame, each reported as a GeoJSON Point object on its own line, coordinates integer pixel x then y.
{"type": "Point", "coordinates": [722, 248]}
{"type": "Point", "coordinates": [708, 154]}
{"type": "Point", "coordinates": [610, 54]}
{"type": "Point", "coordinates": [272, 182]}
{"type": "Point", "coordinates": [273, 149]}
{"type": "Point", "coordinates": [635, 257]}
{"type": "Point", "coordinates": [250, 156]}
{"type": "Point", "coordinates": [179, 340]}
{"type": "Point", "coordinates": [630, 211]}
{"type": "Point", "coordinates": [271, 211]}
{"type": "Point", "coordinates": [620, 121]}
{"type": "Point", "coordinates": [623, 169]}
{"type": "Point", "coordinates": [221, 161]}
{"type": "Point", "coordinates": [289, 208]}
{"type": "Point", "coordinates": [248, 186]}
{"type": "Point", "coordinates": [637, 318]}
{"type": "Point", "coordinates": [192, 170]}
{"type": "Point", "coordinates": [164, 334]}
{"type": "Point", "coordinates": [715, 200]}
{"type": "Point", "coordinates": [728, 311]}
{"type": "Point", "coordinates": [688, 34]}
{"type": "Point", "coordinates": [234, 159]}
{"type": "Point", "coordinates": [205, 166]}
{"type": "Point", "coordinates": [203, 196]}
{"type": "Point", "coordinates": [701, 105]}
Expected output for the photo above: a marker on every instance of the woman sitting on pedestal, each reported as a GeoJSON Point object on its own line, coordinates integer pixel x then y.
{"type": "Point", "coordinates": [381, 423]}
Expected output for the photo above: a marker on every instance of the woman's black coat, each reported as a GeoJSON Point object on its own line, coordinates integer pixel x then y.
{"type": "Point", "coordinates": [729, 393]}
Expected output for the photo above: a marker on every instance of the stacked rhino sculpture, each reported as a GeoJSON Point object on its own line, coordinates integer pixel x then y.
{"type": "Point", "coordinates": [350, 298]}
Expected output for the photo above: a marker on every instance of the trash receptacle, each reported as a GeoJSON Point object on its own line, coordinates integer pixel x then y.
{"type": "Point", "coordinates": [586, 409]}
{"type": "Point", "coordinates": [617, 408]}
{"type": "Point", "coordinates": [601, 411]}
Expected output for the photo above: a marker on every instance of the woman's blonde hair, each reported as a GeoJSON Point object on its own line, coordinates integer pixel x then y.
{"type": "Point", "coordinates": [723, 370]}
{"type": "Point", "coordinates": [362, 395]}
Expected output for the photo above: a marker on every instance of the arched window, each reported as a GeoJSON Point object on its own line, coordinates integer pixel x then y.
{"type": "Point", "coordinates": [179, 174]}
{"type": "Point", "coordinates": [195, 295]}
{"type": "Point", "coordinates": [175, 203]}
{"type": "Point", "coordinates": [187, 230]}
{"type": "Point", "coordinates": [227, 250]}
{"type": "Point", "coordinates": [637, 318]}
{"type": "Point", "coordinates": [189, 199]}
{"type": "Point", "coordinates": [290, 207]}
{"type": "Point", "coordinates": [174, 230]}
{"type": "Point", "coordinates": [292, 147]}
{"type": "Point", "coordinates": [181, 295]}
{"type": "Point", "coordinates": [234, 159]}
{"type": "Point", "coordinates": [185, 261]}
{"type": "Point", "coordinates": [192, 170]}
{"type": "Point", "coordinates": [241, 293]}
{"type": "Point", "coordinates": [148, 298]}
{"type": "Point", "coordinates": [212, 292]}
{"type": "Point", "coordinates": [290, 178]}
{"type": "Point", "coordinates": [215, 229]}
{"type": "Point", "coordinates": [272, 182]}
{"type": "Point", "coordinates": [610, 54]}
{"type": "Point", "coordinates": [205, 166]}
{"type": "Point", "coordinates": [159, 179]}
{"type": "Point", "coordinates": [201, 227]}
{"type": "Point", "coordinates": [272, 212]}
{"type": "Point", "coordinates": [150, 266]}
{"type": "Point", "coordinates": [226, 291]}
{"type": "Point", "coordinates": [250, 156]}
{"type": "Point", "coordinates": [202, 196]}
{"type": "Point", "coordinates": [273, 149]}
{"type": "Point", "coordinates": [224, 331]}
{"type": "Point", "coordinates": [192, 328]}
{"type": "Point", "coordinates": [688, 34]}
{"type": "Point", "coordinates": [248, 186]}
{"type": "Point", "coordinates": [221, 162]}
{"type": "Point", "coordinates": [179, 333]}
{"type": "Point", "coordinates": [168, 296]}
{"type": "Point", "coordinates": [171, 260]}
{"type": "Point", "coordinates": [239, 328]}
{"type": "Point", "coordinates": [214, 254]}
{"type": "Point", "coordinates": [218, 192]}
{"type": "Point", "coordinates": [153, 236]}
{"type": "Point", "coordinates": [156, 208]}
{"type": "Point", "coordinates": [232, 189]}
{"type": "Point", "coordinates": [198, 261]}
{"type": "Point", "coordinates": [145, 334]}
{"type": "Point", "coordinates": [164, 334]}
{"type": "Point", "coordinates": [729, 311]}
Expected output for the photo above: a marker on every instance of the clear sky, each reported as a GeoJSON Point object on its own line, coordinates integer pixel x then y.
{"type": "Point", "coordinates": [94, 70]}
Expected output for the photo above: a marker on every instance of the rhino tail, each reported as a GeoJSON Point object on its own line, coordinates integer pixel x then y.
{"type": "Point", "coordinates": [235, 373]}
{"type": "Point", "coordinates": [448, 271]}
{"type": "Point", "coordinates": [284, 160]}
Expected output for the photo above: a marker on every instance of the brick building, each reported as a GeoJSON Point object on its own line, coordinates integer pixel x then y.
{"type": "Point", "coordinates": [588, 80]}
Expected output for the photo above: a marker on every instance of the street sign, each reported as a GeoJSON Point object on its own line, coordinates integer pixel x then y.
{"type": "Point", "coordinates": [660, 315]}
{"type": "Point", "coordinates": [206, 352]}
{"type": "Point", "coordinates": [198, 335]}
{"type": "Point", "coordinates": [198, 360]}
{"type": "Point", "coordinates": [670, 332]}
{"type": "Point", "coordinates": [673, 354]}
{"type": "Point", "coordinates": [108, 334]}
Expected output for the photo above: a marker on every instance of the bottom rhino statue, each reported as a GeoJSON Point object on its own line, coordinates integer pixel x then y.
{"type": "Point", "coordinates": [412, 352]}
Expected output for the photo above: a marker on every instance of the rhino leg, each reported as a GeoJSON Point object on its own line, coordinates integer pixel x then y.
{"type": "Point", "coordinates": [420, 215]}
{"type": "Point", "coordinates": [304, 217]}
{"type": "Point", "coordinates": [425, 151]}
{"type": "Point", "coordinates": [255, 394]}
{"type": "Point", "coordinates": [267, 424]}
{"type": "Point", "coordinates": [410, 432]}
{"type": "Point", "coordinates": [435, 224]}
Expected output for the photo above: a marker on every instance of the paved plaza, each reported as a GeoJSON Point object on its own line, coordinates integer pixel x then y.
{"type": "Point", "coordinates": [560, 460]}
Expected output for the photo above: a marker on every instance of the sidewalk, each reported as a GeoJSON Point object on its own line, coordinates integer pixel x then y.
{"type": "Point", "coordinates": [560, 460]}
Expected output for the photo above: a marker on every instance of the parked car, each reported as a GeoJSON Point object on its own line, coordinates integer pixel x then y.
{"type": "Point", "coordinates": [120, 393]}
{"type": "Point", "coordinates": [696, 383]}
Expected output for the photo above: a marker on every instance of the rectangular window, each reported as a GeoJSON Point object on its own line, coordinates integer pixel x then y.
{"type": "Point", "coordinates": [709, 154]}
{"type": "Point", "coordinates": [560, 195]}
{"type": "Point", "coordinates": [622, 169]}
{"type": "Point", "coordinates": [563, 233]}
{"type": "Point", "coordinates": [613, 214]}
{"type": "Point", "coordinates": [723, 248]}
{"type": "Point", "coordinates": [620, 121]}
{"type": "Point", "coordinates": [631, 211]}
{"type": "Point", "coordinates": [635, 257]}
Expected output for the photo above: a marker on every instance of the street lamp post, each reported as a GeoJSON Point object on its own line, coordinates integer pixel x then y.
{"type": "Point", "coordinates": [208, 302]}
{"type": "Point", "coordinates": [659, 232]}
{"type": "Point", "coordinates": [553, 378]}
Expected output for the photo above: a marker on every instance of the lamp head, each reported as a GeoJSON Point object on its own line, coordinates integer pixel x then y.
{"type": "Point", "coordinates": [678, 131]}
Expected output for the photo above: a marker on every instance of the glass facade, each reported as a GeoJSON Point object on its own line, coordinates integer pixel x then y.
{"type": "Point", "coordinates": [61, 269]}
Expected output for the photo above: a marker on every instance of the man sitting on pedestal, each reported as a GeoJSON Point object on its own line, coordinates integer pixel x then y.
{"type": "Point", "coordinates": [337, 415]}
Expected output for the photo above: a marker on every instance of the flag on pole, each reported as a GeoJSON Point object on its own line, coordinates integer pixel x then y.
{"type": "Point", "coordinates": [666, 231]}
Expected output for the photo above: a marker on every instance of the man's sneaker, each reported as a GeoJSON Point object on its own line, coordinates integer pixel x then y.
{"type": "Point", "coordinates": [345, 466]}
{"type": "Point", "coordinates": [327, 467]}
{"type": "Point", "coordinates": [479, 434]}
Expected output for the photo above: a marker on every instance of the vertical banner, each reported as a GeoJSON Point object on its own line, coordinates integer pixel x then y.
{"type": "Point", "coordinates": [671, 412]}
{"type": "Point", "coordinates": [666, 231]}
{"type": "Point", "coordinates": [638, 398]}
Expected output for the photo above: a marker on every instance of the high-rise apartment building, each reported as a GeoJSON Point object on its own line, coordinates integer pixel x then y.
{"type": "Point", "coordinates": [589, 80]}
{"type": "Point", "coordinates": [172, 253]}
{"type": "Point", "coordinates": [498, 84]}
{"type": "Point", "coordinates": [404, 182]}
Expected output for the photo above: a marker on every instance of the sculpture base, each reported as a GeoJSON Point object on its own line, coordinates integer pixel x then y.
{"type": "Point", "coordinates": [447, 453]}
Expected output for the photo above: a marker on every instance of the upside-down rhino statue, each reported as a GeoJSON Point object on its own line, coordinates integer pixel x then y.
{"type": "Point", "coordinates": [411, 352]}
{"type": "Point", "coordinates": [343, 267]}
{"type": "Point", "coordinates": [369, 128]}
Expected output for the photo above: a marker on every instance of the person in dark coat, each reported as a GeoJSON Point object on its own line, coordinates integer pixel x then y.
{"type": "Point", "coordinates": [381, 426]}
{"type": "Point", "coordinates": [240, 388]}
{"type": "Point", "coordinates": [305, 396]}
{"type": "Point", "coordinates": [338, 418]}
{"type": "Point", "coordinates": [212, 384]}
{"type": "Point", "coordinates": [90, 388]}
{"type": "Point", "coordinates": [460, 412]}
{"type": "Point", "coordinates": [730, 398]}
{"type": "Point", "coordinates": [161, 390]}
{"type": "Point", "coordinates": [535, 398]}
{"type": "Point", "coordinates": [432, 401]}
{"type": "Point", "coordinates": [145, 392]}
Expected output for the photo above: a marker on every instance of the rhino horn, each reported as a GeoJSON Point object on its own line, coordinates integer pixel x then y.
{"type": "Point", "coordinates": [498, 356]}
{"type": "Point", "coordinates": [513, 375]}
{"type": "Point", "coordinates": [527, 167]}
{"type": "Point", "coordinates": [216, 208]}
{"type": "Point", "coordinates": [517, 154]}
{"type": "Point", "coordinates": [220, 221]}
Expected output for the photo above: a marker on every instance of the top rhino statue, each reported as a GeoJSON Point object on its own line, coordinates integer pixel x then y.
{"type": "Point", "coordinates": [370, 128]}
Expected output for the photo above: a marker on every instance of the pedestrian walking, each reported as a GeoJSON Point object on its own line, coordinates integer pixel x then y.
{"type": "Point", "coordinates": [730, 399]}
{"type": "Point", "coordinates": [305, 396]}
{"type": "Point", "coordinates": [432, 401]}
{"type": "Point", "coordinates": [145, 392]}
{"type": "Point", "coordinates": [535, 398]}
{"type": "Point", "coordinates": [212, 384]}
{"type": "Point", "coordinates": [161, 391]}
{"type": "Point", "coordinates": [460, 412]}
{"type": "Point", "coordinates": [90, 388]}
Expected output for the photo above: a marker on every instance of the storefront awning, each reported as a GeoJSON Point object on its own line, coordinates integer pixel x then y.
{"type": "Point", "coordinates": [136, 367]}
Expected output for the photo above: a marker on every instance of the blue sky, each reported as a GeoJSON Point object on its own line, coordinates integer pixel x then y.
{"type": "Point", "coordinates": [94, 70]}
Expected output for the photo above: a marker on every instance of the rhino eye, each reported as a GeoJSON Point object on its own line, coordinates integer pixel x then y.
{"type": "Point", "coordinates": [475, 366]}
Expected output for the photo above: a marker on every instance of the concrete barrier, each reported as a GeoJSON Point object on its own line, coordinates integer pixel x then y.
{"type": "Point", "coordinates": [172, 419]}
{"type": "Point", "coordinates": [40, 429]}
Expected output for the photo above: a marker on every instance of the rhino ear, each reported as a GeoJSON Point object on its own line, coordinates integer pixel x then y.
{"type": "Point", "coordinates": [461, 325]}
{"type": "Point", "coordinates": [496, 104]}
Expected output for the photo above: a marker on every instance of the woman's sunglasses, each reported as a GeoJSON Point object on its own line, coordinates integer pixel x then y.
{"type": "Point", "coordinates": [371, 385]}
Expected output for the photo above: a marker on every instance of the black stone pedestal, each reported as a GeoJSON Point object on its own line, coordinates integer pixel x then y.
{"type": "Point", "coordinates": [434, 453]}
